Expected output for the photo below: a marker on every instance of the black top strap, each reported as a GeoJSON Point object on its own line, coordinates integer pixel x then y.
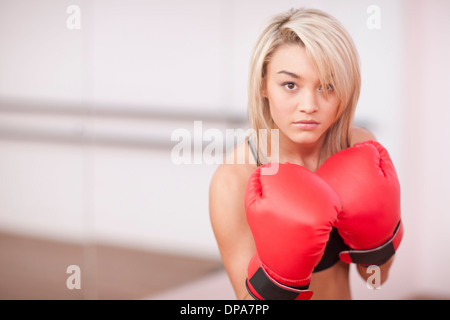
{"type": "Point", "coordinates": [253, 150]}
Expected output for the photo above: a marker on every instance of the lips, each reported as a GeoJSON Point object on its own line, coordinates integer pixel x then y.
{"type": "Point", "coordinates": [306, 124]}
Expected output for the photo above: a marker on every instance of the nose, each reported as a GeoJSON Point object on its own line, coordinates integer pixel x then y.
{"type": "Point", "coordinates": [307, 102]}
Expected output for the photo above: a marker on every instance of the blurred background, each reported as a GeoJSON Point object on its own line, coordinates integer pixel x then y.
{"type": "Point", "coordinates": [91, 92]}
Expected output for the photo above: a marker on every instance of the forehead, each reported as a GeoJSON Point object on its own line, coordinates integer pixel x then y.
{"type": "Point", "coordinates": [292, 58]}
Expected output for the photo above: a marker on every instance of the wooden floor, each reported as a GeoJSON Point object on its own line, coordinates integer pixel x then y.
{"type": "Point", "coordinates": [37, 269]}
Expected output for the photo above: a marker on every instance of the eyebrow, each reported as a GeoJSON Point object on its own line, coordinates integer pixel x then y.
{"type": "Point", "coordinates": [293, 75]}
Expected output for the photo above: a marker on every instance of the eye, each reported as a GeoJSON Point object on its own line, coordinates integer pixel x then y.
{"type": "Point", "coordinates": [330, 88]}
{"type": "Point", "coordinates": [290, 86]}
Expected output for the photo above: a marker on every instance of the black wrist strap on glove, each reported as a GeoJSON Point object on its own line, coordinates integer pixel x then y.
{"type": "Point", "coordinates": [376, 256]}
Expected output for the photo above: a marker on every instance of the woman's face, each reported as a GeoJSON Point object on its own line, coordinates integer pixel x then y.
{"type": "Point", "coordinates": [298, 104]}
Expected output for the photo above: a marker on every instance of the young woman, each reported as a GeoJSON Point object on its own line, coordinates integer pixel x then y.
{"type": "Point", "coordinates": [304, 82]}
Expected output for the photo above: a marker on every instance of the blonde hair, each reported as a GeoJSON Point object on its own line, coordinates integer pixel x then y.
{"type": "Point", "coordinates": [335, 58]}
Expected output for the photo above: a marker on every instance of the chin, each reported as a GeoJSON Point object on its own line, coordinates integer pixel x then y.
{"type": "Point", "coordinates": [305, 138]}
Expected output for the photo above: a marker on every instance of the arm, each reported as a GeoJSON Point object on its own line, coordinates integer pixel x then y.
{"type": "Point", "coordinates": [228, 220]}
{"type": "Point", "coordinates": [258, 213]}
{"type": "Point", "coordinates": [384, 271]}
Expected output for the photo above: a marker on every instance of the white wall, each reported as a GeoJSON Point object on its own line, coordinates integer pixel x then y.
{"type": "Point", "coordinates": [39, 57]}
{"type": "Point", "coordinates": [426, 148]}
{"type": "Point", "coordinates": [158, 58]}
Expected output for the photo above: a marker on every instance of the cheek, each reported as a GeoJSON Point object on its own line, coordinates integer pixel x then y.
{"type": "Point", "coordinates": [280, 107]}
{"type": "Point", "coordinates": [279, 112]}
{"type": "Point", "coordinates": [331, 106]}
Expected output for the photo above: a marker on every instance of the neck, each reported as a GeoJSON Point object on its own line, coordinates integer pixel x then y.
{"type": "Point", "coordinates": [306, 155]}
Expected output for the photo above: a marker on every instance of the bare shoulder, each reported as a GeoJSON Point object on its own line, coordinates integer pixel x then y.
{"type": "Point", "coordinates": [227, 181]}
{"type": "Point", "coordinates": [360, 134]}
{"type": "Point", "coordinates": [233, 174]}
{"type": "Point", "coordinates": [227, 187]}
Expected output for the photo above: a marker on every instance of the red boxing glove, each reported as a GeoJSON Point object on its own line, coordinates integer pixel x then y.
{"type": "Point", "coordinates": [290, 214]}
{"type": "Point", "coordinates": [365, 179]}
